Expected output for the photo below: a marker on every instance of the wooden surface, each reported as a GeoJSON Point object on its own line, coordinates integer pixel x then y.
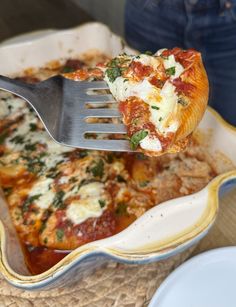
{"type": "Point", "coordinates": [20, 16]}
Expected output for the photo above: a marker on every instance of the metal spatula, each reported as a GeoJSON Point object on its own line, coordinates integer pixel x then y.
{"type": "Point", "coordinates": [61, 105]}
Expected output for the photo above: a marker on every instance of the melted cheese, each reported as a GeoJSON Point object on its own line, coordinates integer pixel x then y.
{"type": "Point", "coordinates": [43, 187]}
{"type": "Point", "coordinates": [162, 102]}
{"type": "Point", "coordinates": [170, 62]}
{"type": "Point", "coordinates": [88, 205]}
{"type": "Point", "coordinates": [4, 111]}
{"type": "Point", "coordinates": [165, 99]}
{"type": "Point", "coordinates": [150, 143]}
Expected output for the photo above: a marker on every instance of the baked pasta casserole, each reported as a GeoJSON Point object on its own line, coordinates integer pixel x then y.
{"type": "Point", "coordinates": [61, 198]}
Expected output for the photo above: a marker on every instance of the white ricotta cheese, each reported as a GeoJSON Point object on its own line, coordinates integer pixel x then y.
{"type": "Point", "coordinates": [43, 187]}
{"type": "Point", "coordinates": [150, 143]}
{"type": "Point", "coordinates": [88, 205]}
{"type": "Point", "coordinates": [170, 62]}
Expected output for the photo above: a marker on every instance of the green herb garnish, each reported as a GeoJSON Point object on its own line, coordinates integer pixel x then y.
{"type": "Point", "coordinates": [60, 234]}
{"type": "Point", "coordinates": [30, 147]}
{"type": "Point", "coordinates": [3, 137]}
{"type": "Point", "coordinates": [121, 209]}
{"type": "Point", "coordinates": [18, 139]}
{"type": "Point", "coordinates": [33, 127]}
{"type": "Point", "coordinates": [110, 158]}
{"type": "Point", "coordinates": [58, 200]}
{"type": "Point", "coordinates": [114, 70]}
{"type": "Point", "coordinates": [113, 73]}
{"type": "Point", "coordinates": [34, 165]}
{"type": "Point", "coordinates": [102, 203]}
{"type": "Point", "coordinates": [29, 201]}
{"type": "Point", "coordinates": [137, 137]}
{"type": "Point", "coordinates": [98, 169]}
{"type": "Point", "coordinates": [155, 108]}
{"type": "Point", "coordinates": [170, 71]}
{"type": "Point", "coordinates": [120, 178]}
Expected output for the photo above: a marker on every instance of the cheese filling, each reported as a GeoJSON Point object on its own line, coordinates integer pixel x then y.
{"type": "Point", "coordinates": [162, 102]}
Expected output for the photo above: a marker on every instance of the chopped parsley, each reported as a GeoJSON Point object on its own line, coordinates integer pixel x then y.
{"type": "Point", "coordinates": [45, 240]}
{"type": "Point", "coordinates": [42, 227]}
{"type": "Point", "coordinates": [53, 173]}
{"type": "Point", "coordinates": [121, 209]}
{"type": "Point", "coordinates": [170, 71]}
{"type": "Point", "coordinates": [33, 127]}
{"type": "Point", "coordinates": [98, 169]}
{"type": "Point", "coordinates": [29, 201]}
{"type": "Point", "coordinates": [113, 73]}
{"type": "Point", "coordinates": [3, 137]}
{"type": "Point", "coordinates": [160, 119]}
{"type": "Point", "coordinates": [60, 234]}
{"type": "Point", "coordinates": [18, 139]}
{"type": "Point", "coordinates": [114, 70]}
{"type": "Point", "coordinates": [110, 158]}
{"type": "Point", "coordinates": [137, 137]}
{"type": "Point", "coordinates": [58, 200]}
{"type": "Point", "coordinates": [30, 147]}
{"type": "Point", "coordinates": [34, 165]}
{"type": "Point", "coordinates": [120, 178]}
{"type": "Point", "coordinates": [102, 203]}
{"type": "Point", "coordinates": [155, 108]}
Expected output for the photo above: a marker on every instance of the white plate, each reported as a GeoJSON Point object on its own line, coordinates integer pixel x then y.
{"type": "Point", "coordinates": [207, 280]}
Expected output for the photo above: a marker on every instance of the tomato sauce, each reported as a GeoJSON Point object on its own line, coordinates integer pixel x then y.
{"type": "Point", "coordinates": [40, 259]}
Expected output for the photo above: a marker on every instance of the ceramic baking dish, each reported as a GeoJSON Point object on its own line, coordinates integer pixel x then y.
{"type": "Point", "coordinates": [163, 231]}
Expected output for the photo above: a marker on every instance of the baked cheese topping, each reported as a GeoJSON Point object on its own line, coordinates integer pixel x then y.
{"type": "Point", "coordinates": [42, 191]}
{"type": "Point", "coordinates": [92, 202]}
{"type": "Point", "coordinates": [136, 80]}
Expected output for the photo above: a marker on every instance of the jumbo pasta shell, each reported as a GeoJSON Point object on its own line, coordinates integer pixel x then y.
{"type": "Point", "coordinates": [191, 115]}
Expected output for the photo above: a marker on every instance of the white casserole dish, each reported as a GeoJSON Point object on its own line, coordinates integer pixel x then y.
{"type": "Point", "coordinates": [163, 231]}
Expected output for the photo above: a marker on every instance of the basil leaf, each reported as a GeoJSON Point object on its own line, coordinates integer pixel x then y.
{"type": "Point", "coordinates": [170, 71]}
{"type": "Point", "coordinates": [136, 138]}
